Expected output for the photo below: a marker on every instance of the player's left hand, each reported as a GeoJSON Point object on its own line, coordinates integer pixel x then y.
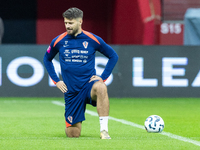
{"type": "Point", "coordinates": [95, 77]}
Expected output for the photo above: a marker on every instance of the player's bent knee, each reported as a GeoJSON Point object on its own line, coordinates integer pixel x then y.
{"type": "Point", "coordinates": [100, 86]}
{"type": "Point", "coordinates": [72, 132]}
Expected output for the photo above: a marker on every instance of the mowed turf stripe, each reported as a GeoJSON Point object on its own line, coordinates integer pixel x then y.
{"type": "Point", "coordinates": [180, 138]}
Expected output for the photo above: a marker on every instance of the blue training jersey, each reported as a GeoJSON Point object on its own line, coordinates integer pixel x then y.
{"type": "Point", "coordinates": [77, 58]}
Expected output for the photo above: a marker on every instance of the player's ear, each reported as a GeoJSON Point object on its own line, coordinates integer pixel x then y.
{"type": "Point", "coordinates": [81, 21]}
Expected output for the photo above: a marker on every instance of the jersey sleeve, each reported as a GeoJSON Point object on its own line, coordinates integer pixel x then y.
{"type": "Point", "coordinates": [112, 56]}
{"type": "Point", "coordinates": [48, 57]}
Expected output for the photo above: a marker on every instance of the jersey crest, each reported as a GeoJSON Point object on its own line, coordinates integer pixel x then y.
{"type": "Point", "coordinates": [70, 118]}
{"type": "Point", "coordinates": [85, 44]}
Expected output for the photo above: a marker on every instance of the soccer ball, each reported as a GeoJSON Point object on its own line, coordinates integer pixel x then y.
{"type": "Point", "coordinates": [154, 123]}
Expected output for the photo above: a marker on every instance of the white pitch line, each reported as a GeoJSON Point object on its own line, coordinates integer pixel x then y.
{"type": "Point", "coordinates": [180, 138]}
{"type": "Point", "coordinates": [58, 103]}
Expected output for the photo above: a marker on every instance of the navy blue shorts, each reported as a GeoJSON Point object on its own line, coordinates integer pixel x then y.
{"type": "Point", "coordinates": [75, 104]}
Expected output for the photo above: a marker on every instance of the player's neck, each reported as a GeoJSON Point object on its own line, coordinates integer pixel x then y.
{"type": "Point", "coordinates": [78, 32]}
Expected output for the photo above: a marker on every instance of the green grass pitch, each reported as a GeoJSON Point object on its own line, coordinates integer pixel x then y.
{"type": "Point", "coordinates": [37, 123]}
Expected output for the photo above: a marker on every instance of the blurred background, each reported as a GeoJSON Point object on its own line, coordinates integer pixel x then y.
{"type": "Point", "coordinates": [145, 31]}
{"type": "Point", "coordinates": [146, 22]}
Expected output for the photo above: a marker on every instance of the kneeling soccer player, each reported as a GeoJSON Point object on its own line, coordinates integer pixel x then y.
{"type": "Point", "coordinates": [80, 85]}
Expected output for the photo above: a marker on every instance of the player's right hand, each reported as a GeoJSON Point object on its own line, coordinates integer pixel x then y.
{"type": "Point", "coordinates": [62, 86]}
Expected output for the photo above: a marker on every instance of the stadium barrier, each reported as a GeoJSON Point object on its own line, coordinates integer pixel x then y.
{"type": "Point", "coordinates": [142, 71]}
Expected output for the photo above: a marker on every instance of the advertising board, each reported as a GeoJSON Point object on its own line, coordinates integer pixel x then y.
{"type": "Point", "coordinates": [142, 71]}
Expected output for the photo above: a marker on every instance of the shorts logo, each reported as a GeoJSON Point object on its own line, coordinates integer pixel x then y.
{"type": "Point", "coordinates": [85, 44]}
{"type": "Point", "coordinates": [70, 119]}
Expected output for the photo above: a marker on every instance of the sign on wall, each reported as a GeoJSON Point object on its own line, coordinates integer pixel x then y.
{"type": "Point", "coordinates": [171, 34]}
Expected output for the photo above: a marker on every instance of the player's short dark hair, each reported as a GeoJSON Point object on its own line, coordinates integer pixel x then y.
{"type": "Point", "coordinates": [73, 13]}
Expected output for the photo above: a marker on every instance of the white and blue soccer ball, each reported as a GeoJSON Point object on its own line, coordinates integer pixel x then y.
{"type": "Point", "coordinates": [154, 123]}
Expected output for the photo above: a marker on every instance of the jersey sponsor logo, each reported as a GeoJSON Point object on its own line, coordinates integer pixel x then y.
{"type": "Point", "coordinates": [67, 51]}
{"type": "Point", "coordinates": [83, 57]}
{"type": "Point", "coordinates": [67, 55]}
{"type": "Point", "coordinates": [85, 44]}
{"type": "Point", "coordinates": [76, 60]}
{"type": "Point", "coordinates": [84, 52]}
{"type": "Point", "coordinates": [70, 118]}
{"type": "Point", "coordinates": [76, 56]}
{"type": "Point", "coordinates": [49, 49]}
{"type": "Point", "coordinates": [75, 51]}
{"type": "Point", "coordinates": [68, 60]}
{"type": "Point", "coordinates": [65, 44]}
{"type": "Point", "coordinates": [79, 56]}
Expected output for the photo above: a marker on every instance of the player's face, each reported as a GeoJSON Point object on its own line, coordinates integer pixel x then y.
{"type": "Point", "coordinates": [73, 26]}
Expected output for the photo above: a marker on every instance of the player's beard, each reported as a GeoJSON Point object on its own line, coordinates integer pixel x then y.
{"type": "Point", "coordinates": [72, 31]}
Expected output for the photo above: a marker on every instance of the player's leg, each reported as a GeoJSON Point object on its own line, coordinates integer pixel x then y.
{"type": "Point", "coordinates": [74, 114]}
{"type": "Point", "coordinates": [100, 95]}
{"type": "Point", "coordinates": [74, 130]}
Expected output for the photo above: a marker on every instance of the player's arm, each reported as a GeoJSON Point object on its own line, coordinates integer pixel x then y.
{"type": "Point", "coordinates": [112, 56]}
{"type": "Point", "coordinates": [48, 57]}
